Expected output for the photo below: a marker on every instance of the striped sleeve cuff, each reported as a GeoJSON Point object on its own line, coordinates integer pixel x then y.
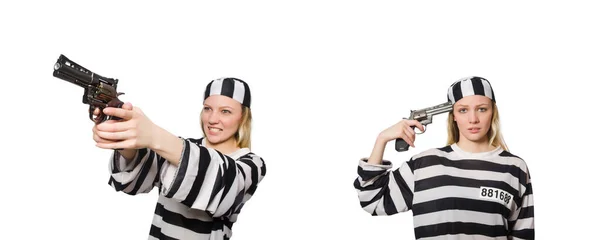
{"type": "Point", "coordinates": [172, 172]}
{"type": "Point", "coordinates": [367, 171]}
{"type": "Point", "coordinates": [135, 176]}
{"type": "Point", "coordinates": [120, 164]}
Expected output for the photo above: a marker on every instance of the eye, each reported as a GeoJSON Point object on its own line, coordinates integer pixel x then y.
{"type": "Point", "coordinates": [225, 111]}
{"type": "Point", "coordinates": [482, 109]}
{"type": "Point", "coordinates": [206, 109]}
{"type": "Point", "coordinates": [462, 110]}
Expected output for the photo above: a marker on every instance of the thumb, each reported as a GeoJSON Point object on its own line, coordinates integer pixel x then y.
{"type": "Point", "coordinates": [127, 106]}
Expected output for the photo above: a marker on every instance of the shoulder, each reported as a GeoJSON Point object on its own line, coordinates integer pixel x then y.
{"type": "Point", "coordinates": [251, 156]}
{"type": "Point", "coordinates": [255, 162]}
{"type": "Point", "coordinates": [508, 154]}
{"type": "Point", "coordinates": [512, 159]}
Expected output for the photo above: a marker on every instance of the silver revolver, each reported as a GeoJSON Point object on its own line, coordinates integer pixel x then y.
{"type": "Point", "coordinates": [424, 116]}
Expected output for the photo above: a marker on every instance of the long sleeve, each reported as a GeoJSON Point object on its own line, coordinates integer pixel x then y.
{"type": "Point", "coordinates": [522, 225]}
{"type": "Point", "coordinates": [382, 191]}
{"type": "Point", "coordinates": [140, 175]}
{"type": "Point", "coordinates": [208, 180]}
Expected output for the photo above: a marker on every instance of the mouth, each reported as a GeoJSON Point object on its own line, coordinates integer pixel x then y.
{"type": "Point", "coordinates": [214, 130]}
{"type": "Point", "coordinates": [474, 129]}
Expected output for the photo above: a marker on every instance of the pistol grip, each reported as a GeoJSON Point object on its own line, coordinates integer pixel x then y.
{"type": "Point", "coordinates": [401, 145]}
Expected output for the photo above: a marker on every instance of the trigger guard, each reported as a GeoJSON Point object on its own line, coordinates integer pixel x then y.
{"type": "Point", "coordinates": [100, 118]}
{"type": "Point", "coordinates": [91, 113]}
{"type": "Point", "coordinates": [425, 129]}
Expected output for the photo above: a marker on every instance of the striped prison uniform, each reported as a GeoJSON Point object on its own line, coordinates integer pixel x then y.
{"type": "Point", "coordinates": [198, 199]}
{"type": "Point", "coordinates": [453, 194]}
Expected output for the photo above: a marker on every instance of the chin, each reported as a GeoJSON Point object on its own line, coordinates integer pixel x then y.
{"type": "Point", "coordinates": [214, 139]}
{"type": "Point", "coordinates": [476, 138]}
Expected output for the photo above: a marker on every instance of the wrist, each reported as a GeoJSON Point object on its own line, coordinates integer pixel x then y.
{"type": "Point", "coordinates": [155, 139]}
{"type": "Point", "coordinates": [167, 145]}
{"type": "Point", "coordinates": [381, 139]}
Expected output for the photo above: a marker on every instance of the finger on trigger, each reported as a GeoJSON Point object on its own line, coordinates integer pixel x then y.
{"type": "Point", "coordinates": [420, 126]}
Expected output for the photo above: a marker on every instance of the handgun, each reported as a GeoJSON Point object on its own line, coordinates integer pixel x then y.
{"type": "Point", "coordinates": [99, 92]}
{"type": "Point", "coordinates": [424, 116]}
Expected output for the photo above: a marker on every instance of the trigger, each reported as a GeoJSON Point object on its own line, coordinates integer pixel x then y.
{"type": "Point", "coordinates": [119, 94]}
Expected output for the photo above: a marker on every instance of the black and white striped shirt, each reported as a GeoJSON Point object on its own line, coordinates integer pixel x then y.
{"type": "Point", "coordinates": [198, 199]}
{"type": "Point", "coordinates": [453, 194]}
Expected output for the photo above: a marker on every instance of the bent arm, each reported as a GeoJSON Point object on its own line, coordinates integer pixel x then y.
{"type": "Point", "coordinates": [208, 180]}
{"type": "Point", "coordinates": [382, 191]}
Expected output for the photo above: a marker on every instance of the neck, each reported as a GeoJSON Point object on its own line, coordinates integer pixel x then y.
{"type": "Point", "coordinates": [225, 147]}
{"type": "Point", "coordinates": [475, 147]}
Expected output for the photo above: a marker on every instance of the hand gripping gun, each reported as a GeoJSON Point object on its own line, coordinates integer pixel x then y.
{"type": "Point", "coordinates": [424, 116]}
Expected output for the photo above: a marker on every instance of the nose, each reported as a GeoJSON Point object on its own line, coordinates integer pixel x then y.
{"type": "Point", "coordinates": [473, 118]}
{"type": "Point", "coordinates": [213, 118]}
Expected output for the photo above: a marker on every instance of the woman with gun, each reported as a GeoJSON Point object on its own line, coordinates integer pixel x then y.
{"type": "Point", "coordinates": [473, 188]}
{"type": "Point", "coordinates": [202, 183]}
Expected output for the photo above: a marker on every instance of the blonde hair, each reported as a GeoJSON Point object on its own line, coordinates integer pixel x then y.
{"type": "Point", "coordinates": [494, 134]}
{"type": "Point", "coordinates": [242, 135]}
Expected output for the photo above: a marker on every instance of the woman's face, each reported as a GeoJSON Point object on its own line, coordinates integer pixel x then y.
{"type": "Point", "coordinates": [473, 115]}
{"type": "Point", "coordinates": [221, 118]}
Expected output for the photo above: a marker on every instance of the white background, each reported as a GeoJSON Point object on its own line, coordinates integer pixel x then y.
{"type": "Point", "coordinates": [326, 78]}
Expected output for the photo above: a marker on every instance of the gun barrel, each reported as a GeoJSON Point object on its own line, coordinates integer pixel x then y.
{"type": "Point", "coordinates": [70, 71]}
{"type": "Point", "coordinates": [439, 109]}
{"type": "Point", "coordinates": [74, 73]}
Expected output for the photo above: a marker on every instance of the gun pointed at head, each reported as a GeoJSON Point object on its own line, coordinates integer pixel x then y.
{"type": "Point", "coordinates": [424, 116]}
